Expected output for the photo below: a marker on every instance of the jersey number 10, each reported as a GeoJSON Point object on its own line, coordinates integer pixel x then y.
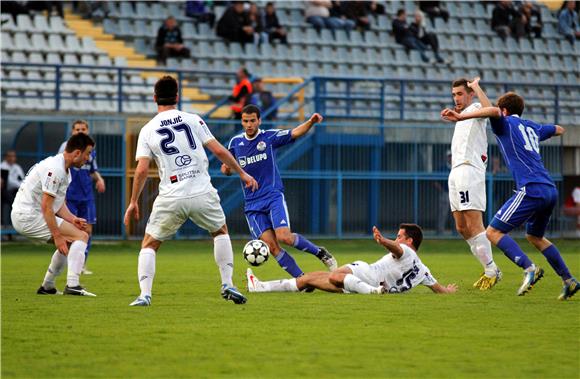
{"type": "Point", "coordinates": [531, 139]}
{"type": "Point", "coordinates": [170, 138]}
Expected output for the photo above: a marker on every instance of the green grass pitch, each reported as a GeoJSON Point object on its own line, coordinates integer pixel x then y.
{"type": "Point", "coordinates": [191, 332]}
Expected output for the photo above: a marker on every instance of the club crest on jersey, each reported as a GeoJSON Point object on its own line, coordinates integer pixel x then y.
{"type": "Point", "coordinates": [261, 146]}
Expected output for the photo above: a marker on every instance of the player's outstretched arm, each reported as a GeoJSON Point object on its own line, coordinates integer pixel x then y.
{"type": "Point", "coordinates": [438, 288]}
{"type": "Point", "coordinates": [390, 245]}
{"type": "Point", "coordinates": [138, 184]}
{"type": "Point", "coordinates": [302, 129]}
{"type": "Point", "coordinates": [451, 115]}
{"type": "Point", "coordinates": [230, 163]}
{"type": "Point", "coordinates": [483, 99]}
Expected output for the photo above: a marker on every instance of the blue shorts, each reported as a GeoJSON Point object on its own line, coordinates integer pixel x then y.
{"type": "Point", "coordinates": [270, 213]}
{"type": "Point", "coordinates": [84, 209]}
{"type": "Point", "coordinates": [532, 205]}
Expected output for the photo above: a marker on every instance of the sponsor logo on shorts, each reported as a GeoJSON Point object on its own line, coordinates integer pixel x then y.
{"type": "Point", "coordinates": [182, 160]}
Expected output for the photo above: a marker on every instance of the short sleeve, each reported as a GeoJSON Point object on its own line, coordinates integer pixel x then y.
{"type": "Point", "coordinates": [576, 195]}
{"type": "Point", "coordinates": [201, 130]}
{"type": "Point", "coordinates": [143, 149]}
{"type": "Point", "coordinates": [428, 279]}
{"type": "Point", "coordinates": [546, 131]}
{"type": "Point", "coordinates": [52, 179]}
{"type": "Point", "coordinates": [280, 137]}
{"type": "Point", "coordinates": [498, 124]}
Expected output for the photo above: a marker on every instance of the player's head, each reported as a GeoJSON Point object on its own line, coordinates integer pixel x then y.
{"type": "Point", "coordinates": [79, 146]}
{"type": "Point", "coordinates": [10, 156]}
{"type": "Point", "coordinates": [166, 91]}
{"type": "Point", "coordinates": [251, 120]}
{"type": "Point", "coordinates": [462, 94]}
{"type": "Point", "coordinates": [402, 14]}
{"type": "Point", "coordinates": [80, 126]}
{"type": "Point", "coordinates": [511, 103]}
{"type": "Point", "coordinates": [410, 235]}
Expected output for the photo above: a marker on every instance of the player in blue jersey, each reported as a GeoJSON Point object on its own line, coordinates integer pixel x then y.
{"type": "Point", "coordinates": [536, 194]}
{"type": "Point", "coordinates": [265, 209]}
{"type": "Point", "coordinates": [80, 199]}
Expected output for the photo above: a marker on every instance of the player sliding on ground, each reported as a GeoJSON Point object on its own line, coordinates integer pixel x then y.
{"type": "Point", "coordinates": [266, 210]}
{"type": "Point", "coordinates": [40, 213]}
{"type": "Point", "coordinates": [176, 141]}
{"type": "Point", "coordinates": [536, 196]}
{"type": "Point", "coordinates": [396, 272]}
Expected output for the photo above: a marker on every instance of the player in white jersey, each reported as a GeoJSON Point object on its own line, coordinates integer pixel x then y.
{"type": "Point", "coordinates": [398, 271]}
{"type": "Point", "coordinates": [176, 141]}
{"type": "Point", "coordinates": [467, 178]}
{"type": "Point", "coordinates": [40, 213]}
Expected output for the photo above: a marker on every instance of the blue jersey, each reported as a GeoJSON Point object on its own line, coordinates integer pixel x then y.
{"type": "Point", "coordinates": [81, 186]}
{"type": "Point", "coordinates": [518, 140]}
{"type": "Point", "coordinates": [257, 157]}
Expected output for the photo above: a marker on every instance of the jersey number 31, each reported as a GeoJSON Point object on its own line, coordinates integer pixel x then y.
{"type": "Point", "coordinates": [170, 138]}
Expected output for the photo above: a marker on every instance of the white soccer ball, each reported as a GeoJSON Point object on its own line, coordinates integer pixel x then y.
{"type": "Point", "coordinates": [256, 252]}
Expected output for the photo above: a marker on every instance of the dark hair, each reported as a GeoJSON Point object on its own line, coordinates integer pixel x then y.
{"type": "Point", "coordinates": [78, 142]}
{"type": "Point", "coordinates": [400, 12]}
{"type": "Point", "coordinates": [251, 109]}
{"type": "Point", "coordinates": [166, 91]}
{"type": "Point", "coordinates": [269, 4]}
{"type": "Point", "coordinates": [461, 82]}
{"type": "Point", "coordinates": [415, 232]}
{"type": "Point", "coordinates": [79, 121]}
{"type": "Point", "coordinates": [513, 102]}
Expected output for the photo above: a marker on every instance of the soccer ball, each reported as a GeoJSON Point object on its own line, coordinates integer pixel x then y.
{"type": "Point", "coordinates": [256, 252]}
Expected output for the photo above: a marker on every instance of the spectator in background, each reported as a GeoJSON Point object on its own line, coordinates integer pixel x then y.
{"type": "Point", "coordinates": [263, 99]}
{"type": "Point", "coordinates": [568, 22]}
{"type": "Point", "coordinates": [14, 8]}
{"type": "Point", "coordinates": [12, 177]}
{"type": "Point", "coordinates": [433, 9]}
{"type": "Point", "coordinates": [318, 15]}
{"type": "Point", "coordinates": [405, 37]}
{"type": "Point", "coordinates": [358, 12]}
{"type": "Point", "coordinates": [417, 29]}
{"type": "Point", "coordinates": [256, 21]}
{"type": "Point", "coordinates": [241, 92]}
{"type": "Point", "coordinates": [534, 19]}
{"type": "Point", "coordinates": [41, 6]}
{"type": "Point", "coordinates": [169, 41]}
{"type": "Point", "coordinates": [375, 8]}
{"type": "Point", "coordinates": [235, 24]}
{"type": "Point", "coordinates": [92, 9]}
{"type": "Point", "coordinates": [272, 25]}
{"type": "Point", "coordinates": [503, 18]}
{"type": "Point", "coordinates": [200, 11]}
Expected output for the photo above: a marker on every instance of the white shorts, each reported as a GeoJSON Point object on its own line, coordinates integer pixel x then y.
{"type": "Point", "coordinates": [33, 226]}
{"type": "Point", "coordinates": [467, 188]}
{"type": "Point", "coordinates": [169, 214]}
{"type": "Point", "coordinates": [364, 272]}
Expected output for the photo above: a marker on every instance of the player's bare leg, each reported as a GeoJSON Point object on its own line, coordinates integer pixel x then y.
{"type": "Point", "coordinates": [311, 280]}
{"type": "Point", "coordinates": [284, 259]}
{"type": "Point", "coordinates": [224, 259]}
{"type": "Point", "coordinates": [285, 236]}
{"type": "Point", "coordinates": [469, 224]}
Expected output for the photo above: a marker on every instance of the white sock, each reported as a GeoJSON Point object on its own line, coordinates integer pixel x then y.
{"type": "Point", "coordinates": [481, 249]}
{"type": "Point", "coordinates": [146, 270]}
{"type": "Point", "coordinates": [224, 258]}
{"type": "Point", "coordinates": [354, 284]}
{"type": "Point", "coordinates": [283, 285]}
{"type": "Point", "coordinates": [76, 260]}
{"type": "Point", "coordinates": [56, 266]}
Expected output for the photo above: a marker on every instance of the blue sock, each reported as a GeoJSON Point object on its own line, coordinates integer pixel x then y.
{"type": "Point", "coordinates": [88, 248]}
{"type": "Point", "coordinates": [303, 244]}
{"type": "Point", "coordinates": [287, 262]}
{"type": "Point", "coordinates": [511, 250]}
{"type": "Point", "coordinates": [555, 260]}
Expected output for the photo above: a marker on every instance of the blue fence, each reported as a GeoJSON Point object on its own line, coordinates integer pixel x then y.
{"type": "Point", "coordinates": [379, 158]}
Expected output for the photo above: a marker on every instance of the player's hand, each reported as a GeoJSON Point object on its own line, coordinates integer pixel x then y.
{"type": "Point", "coordinates": [474, 83]}
{"type": "Point", "coordinates": [316, 118]}
{"type": "Point", "coordinates": [450, 115]}
{"type": "Point", "coordinates": [61, 244]}
{"type": "Point", "coordinates": [378, 236]}
{"type": "Point", "coordinates": [249, 181]}
{"type": "Point", "coordinates": [132, 210]}
{"type": "Point", "coordinates": [452, 288]}
{"type": "Point", "coordinates": [100, 186]}
{"type": "Point", "coordinates": [226, 170]}
{"type": "Point", "coordinates": [80, 223]}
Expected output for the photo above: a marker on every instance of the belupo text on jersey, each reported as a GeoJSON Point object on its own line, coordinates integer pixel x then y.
{"type": "Point", "coordinates": [244, 161]}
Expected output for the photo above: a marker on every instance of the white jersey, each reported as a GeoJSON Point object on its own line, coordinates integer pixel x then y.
{"type": "Point", "coordinates": [404, 273]}
{"type": "Point", "coordinates": [48, 176]}
{"type": "Point", "coordinates": [175, 140]}
{"type": "Point", "coordinates": [469, 143]}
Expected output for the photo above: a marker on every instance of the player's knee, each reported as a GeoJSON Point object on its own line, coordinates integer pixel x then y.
{"type": "Point", "coordinates": [285, 238]}
{"type": "Point", "coordinates": [83, 236]}
{"type": "Point", "coordinates": [461, 229]}
{"type": "Point", "coordinates": [538, 242]}
{"type": "Point", "coordinates": [493, 235]}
